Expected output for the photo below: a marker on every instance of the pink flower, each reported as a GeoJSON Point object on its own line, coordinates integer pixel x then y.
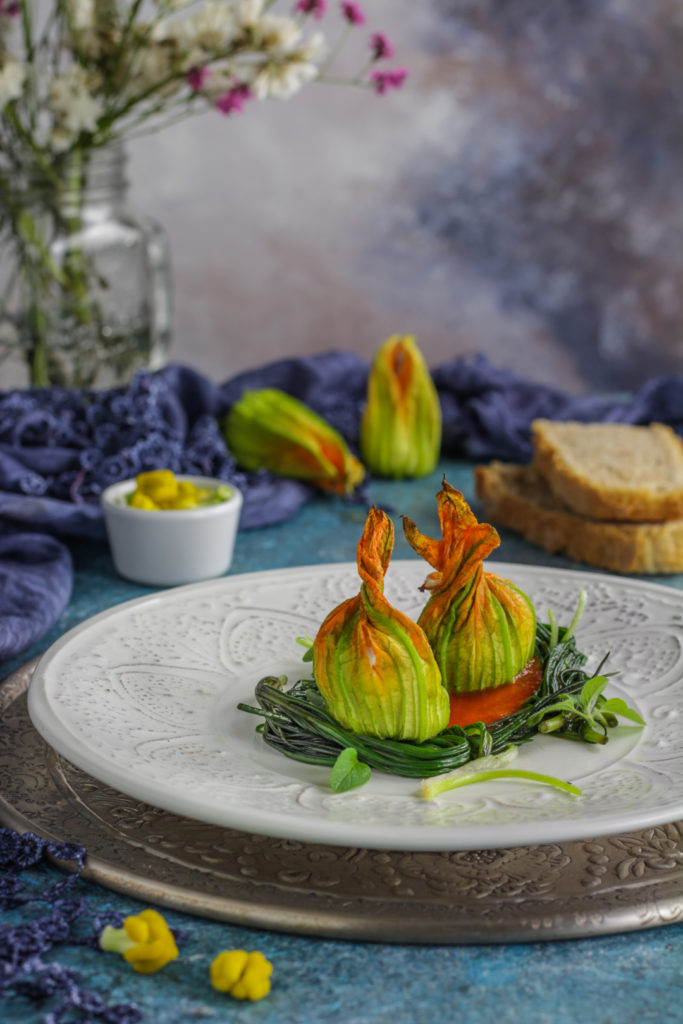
{"type": "Point", "coordinates": [9, 8]}
{"type": "Point", "coordinates": [353, 13]}
{"type": "Point", "coordinates": [232, 101]}
{"type": "Point", "coordinates": [196, 78]}
{"type": "Point", "coordinates": [384, 81]}
{"type": "Point", "coordinates": [314, 7]}
{"type": "Point", "coordinates": [381, 47]}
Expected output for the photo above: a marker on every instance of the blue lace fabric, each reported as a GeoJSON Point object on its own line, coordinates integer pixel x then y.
{"type": "Point", "coordinates": [59, 449]}
{"type": "Point", "coordinates": [49, 917]}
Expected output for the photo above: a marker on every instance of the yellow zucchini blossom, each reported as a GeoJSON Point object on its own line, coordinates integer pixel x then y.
{"type": "Point", "coordinates": [481, 627]}
{"type": "Point", "coordinates": [243, 975]}
{"type": "Point", "coordinates": [400, 432]}
{"type": "Point", "coordinates": [373, 664]}
{"type": "Point", "coordinates": [269, 429]}
{"type": "Point", "coordinates": [145, 941]}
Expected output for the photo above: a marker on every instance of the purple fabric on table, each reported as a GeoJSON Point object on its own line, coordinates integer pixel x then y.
{"type": "Point", "coordinates": [35, 587]}
{"type": "Point", "coordinates": [487, 411]}
{"type": "Point", "coordinates": [59, 449]}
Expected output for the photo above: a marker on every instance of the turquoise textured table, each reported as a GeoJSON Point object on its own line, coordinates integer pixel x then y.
{"type": "Point", "coordinates": [636, 977]}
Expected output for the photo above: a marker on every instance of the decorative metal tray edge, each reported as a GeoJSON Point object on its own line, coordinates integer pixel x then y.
{"type": "Point", "coordinates": [556, 891]}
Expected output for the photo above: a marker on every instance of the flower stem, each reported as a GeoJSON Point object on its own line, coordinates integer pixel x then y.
{"type": "Point", "coordinates": [507, 773]}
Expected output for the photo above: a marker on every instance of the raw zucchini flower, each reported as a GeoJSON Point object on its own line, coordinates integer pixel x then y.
{"type": "Point", "coordinates": [401, 426]}
{"type": "Point", "coordinates": [269, 429]}
{"type": "Point", "coordinates": [481, 627]}
{"type": "Point", "coordinates": [244, 975]}
{"type": "Point", "coordinates": [145, 941]}
{"type": "Point", "coordinates": [372, 664]}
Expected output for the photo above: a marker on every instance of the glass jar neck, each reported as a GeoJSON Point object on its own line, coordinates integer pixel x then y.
{"type": "Point", "coordinates": [84, 178]}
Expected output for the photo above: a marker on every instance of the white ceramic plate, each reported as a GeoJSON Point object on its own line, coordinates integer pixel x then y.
{"type": "Point", "coordinates": [143, 697]}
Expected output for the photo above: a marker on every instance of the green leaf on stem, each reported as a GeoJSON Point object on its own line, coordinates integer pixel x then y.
{"type": "Point", "coordinates": [348, 772]}
{"type": "Point", "coordinates": [592, 689]}
{"type": "Point", "coordinates": [617, 706]}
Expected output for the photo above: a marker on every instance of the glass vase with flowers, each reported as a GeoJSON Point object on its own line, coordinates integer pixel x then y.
{"type": "Point", "coordinates": [85, 286]}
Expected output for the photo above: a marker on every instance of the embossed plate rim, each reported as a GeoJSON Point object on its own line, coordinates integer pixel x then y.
{"type": "Point", "coordinates": [310, 825]}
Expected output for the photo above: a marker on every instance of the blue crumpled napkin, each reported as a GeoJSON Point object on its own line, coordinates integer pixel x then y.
{"type": "Point", "coordinates": [59, 449]}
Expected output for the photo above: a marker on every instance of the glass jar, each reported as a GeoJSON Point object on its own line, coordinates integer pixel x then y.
{"type": "Point", "coordinates": [85, 286]}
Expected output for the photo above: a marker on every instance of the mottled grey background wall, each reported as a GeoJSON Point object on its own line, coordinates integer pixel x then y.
{"type": "Point", "coordinates": [522, 197]}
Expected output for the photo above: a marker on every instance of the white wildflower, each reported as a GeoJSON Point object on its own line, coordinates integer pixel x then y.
{"type": "Point", "coordinates": [150, 66]}
{"type": "Point", "coordinates": [82, 14]}
{"type": "Point", "coordinates": [60, 140]}
{"type": "Point", "coordinates": [314, 49]}
{"type": "Point", "coordinates": [12, 78]}
{"type": "Point", "coordinates": [171, 32]}
{"type": "Point", "coordinates": [275, 32]}
{"type": "Point", "coordinates": [76, 108]}
{"type": "Point", "coordinates": [221, 79]}
{"type": "Point", "coordinates": [280, 79]}
{"type": "Point", "coordinates": [248, 12]}
{"type": "Point", "coordinates": [212, 27]}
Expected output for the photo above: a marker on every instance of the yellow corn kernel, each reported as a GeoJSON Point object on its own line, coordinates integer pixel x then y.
{"type": "Point", "coordinates": [187, 490]}
{"type": "Point", "coordinates": [140, 500]}
{"type": "Point", "coordinates": [159, 484]}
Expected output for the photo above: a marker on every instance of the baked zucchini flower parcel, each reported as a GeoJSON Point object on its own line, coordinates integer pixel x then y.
{"type": "Point", "coordinates": [481, 627]}
{"type": "Point", "coordinates": [373, 664]}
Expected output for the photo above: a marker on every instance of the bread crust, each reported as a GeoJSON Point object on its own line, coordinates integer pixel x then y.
{"type": "Point", "coordinates": [612, 471]}
{"type": "Point", "coordinates": [517, 497]}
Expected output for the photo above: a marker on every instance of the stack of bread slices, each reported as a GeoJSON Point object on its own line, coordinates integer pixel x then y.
{"type": "Point", "coordinates": [608, 494]}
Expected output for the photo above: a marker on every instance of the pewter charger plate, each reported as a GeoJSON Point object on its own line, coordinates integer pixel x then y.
{"type": "Point", "coordinates": [143, 698]}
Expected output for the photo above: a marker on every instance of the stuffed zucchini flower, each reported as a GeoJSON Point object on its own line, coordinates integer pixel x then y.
{"type": "Point", "coordinates": [269, 429]}
{"type": "Point", "coordinates": [481, 627]}
{"type": "Point", "coordinates": [373, 664]}
{"type": "Point", "coordinates": [401, 427]}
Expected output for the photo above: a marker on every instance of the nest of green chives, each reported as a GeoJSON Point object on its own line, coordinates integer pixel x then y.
{"type": "Point", "coordinates": [297, 724]}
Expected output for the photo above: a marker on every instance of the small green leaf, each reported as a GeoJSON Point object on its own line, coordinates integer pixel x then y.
{"type": "Point", "coordinates": [592, 689]}
{"type": "Point", "coordinates": [619, 707]}
{"type": "Point", "coordinates": [306, 642]}
{"type": "Point", "coordinates": [348, 772]}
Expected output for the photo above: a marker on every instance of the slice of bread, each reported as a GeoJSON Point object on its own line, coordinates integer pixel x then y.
{"type": "Point", "coordinates": [518, 497]}
{"type": "Point", "coordinates": [612, 471]}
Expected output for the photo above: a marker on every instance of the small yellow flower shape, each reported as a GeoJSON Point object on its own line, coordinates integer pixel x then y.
{"type": "Point", "coordinates": [145, 941]}
{"type": "Point", "coordinates": [160, 489]}
{"type": "Point", "coordinates": [243, 975]}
